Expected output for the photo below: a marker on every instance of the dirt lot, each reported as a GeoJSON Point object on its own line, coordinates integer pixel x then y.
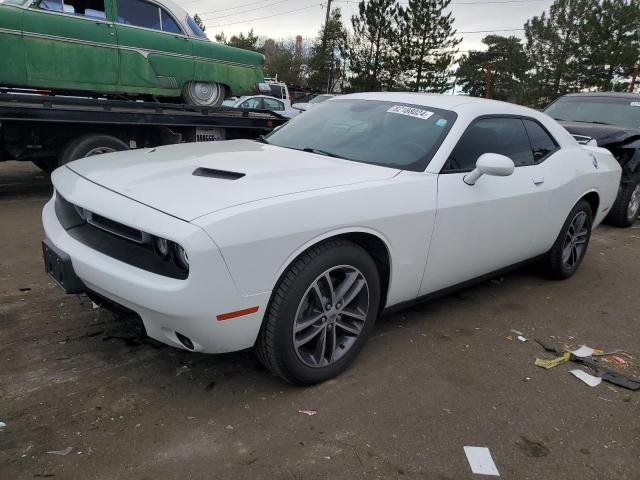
{"type": "Point", "coordinates": [431, 380]}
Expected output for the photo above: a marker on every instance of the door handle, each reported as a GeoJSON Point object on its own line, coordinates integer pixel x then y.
{"type": "Point", "coordinates": [538, 180]}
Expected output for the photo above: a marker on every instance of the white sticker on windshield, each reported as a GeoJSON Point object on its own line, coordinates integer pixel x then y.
{"type": "Point", "coordinates": [635, 104]}
{"type": "Point", "coordinates": [411, 112]}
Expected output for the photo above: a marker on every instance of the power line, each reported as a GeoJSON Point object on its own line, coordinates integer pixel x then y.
{"type": "Point", "coordinates": [209, 12]}
{"type": "Point", "coordinates": [230, 8]}
{"type": "Point", "coordinates": [482, 2]}
{"type": "Point", "coordinates": [266, 16]}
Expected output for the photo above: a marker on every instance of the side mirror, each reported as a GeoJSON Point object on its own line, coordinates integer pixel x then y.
{"type": "Point", "coordinates": [490, 164]}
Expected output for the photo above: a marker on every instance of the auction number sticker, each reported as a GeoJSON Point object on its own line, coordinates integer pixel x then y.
{"type": "Point", "coordinates": [411, 112]}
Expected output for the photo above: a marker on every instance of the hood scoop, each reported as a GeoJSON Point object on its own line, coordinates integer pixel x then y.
{"type": "Point", "coordinates": [220, 174]}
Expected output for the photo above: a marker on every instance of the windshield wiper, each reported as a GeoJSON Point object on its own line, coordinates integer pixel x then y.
{"type": "Point", "coordinates": [262, 139]}
{"type": "Point", "coordinates": [322, 152]}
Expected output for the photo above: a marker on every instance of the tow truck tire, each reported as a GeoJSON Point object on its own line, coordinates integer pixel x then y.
{"type": "Point", "coordinates": [90, 145]}
{"type": "Point", "coordinates": [626, 208]}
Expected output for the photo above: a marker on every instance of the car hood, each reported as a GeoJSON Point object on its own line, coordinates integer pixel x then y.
{"type": "Point", "coordinates": [188, 181]}
{"type": "Point", "coordinates": [605, 135]}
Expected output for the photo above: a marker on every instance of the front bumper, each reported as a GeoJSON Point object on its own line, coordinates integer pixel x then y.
{"type": "Point", "coordinates": [167, 306]}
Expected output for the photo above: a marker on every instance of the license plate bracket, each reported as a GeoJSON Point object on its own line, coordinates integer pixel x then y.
{"type": "Point", "coordinates": [58, 266]}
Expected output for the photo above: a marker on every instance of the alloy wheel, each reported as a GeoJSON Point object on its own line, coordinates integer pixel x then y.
{"type": "Point", "coordinates": [634, 204]}
{"type": "Point", "coordinates": [575, 240]}
{"type": "Point", "coordinates": [331, 315]}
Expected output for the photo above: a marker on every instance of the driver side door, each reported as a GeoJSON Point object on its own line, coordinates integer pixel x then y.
{"type": "Point", "coordinates": [488, 226]}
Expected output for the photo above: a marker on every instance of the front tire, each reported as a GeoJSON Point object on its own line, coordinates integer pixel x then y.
{"type": "Point", "coordinates": [321, 313]}
{"type": "Point", "coordinates": [569, 249]}
{"type": "Point", "coordinates": [89, 145]}
{"type": "Point", "coordinates": [204, 94]}
{"type": "Point", "coordinates": [626, 208]}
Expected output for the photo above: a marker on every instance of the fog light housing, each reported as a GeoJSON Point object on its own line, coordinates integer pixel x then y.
{"type": "Point", "coordinates": [162, 247]}
{"type": "Point", "coordinates": [180, 257]}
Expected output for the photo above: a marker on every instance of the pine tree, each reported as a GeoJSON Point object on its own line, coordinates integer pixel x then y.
{"type": "Point", "coordinates": [555, 47]}
{"type": "Point", "coordinates": [325, 65]}
{"type": "Point", "coordinates": [507, 63]}
{"type": "Point", "coordinates": [430, 42]}
{"type": "Point", "coordinates": [374, 32]}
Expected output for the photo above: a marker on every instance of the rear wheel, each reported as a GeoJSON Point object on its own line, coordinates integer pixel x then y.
{"type": "Point", "coordinates": [204, 94]}
{"type": "Point", "coordinates": [569, 249]}
{"type": "Point", "coordinates": [626, 208]}
{"type": "Point", "coordinates": [321, 313]}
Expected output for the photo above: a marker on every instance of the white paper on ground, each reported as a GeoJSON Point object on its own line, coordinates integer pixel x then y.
{"type": "Point", "coordinates": [583, 351]}
{"type": "Point", "coordinates": [480, 461]}
{"type": "Point", "coordinates": [587, 378]}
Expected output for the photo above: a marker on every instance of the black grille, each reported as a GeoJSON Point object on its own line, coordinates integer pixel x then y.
{"type": "Point", "coordinates": [114, 239]}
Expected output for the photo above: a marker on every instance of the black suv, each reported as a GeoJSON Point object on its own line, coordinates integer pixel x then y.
{"type": "Point", "coordinates": [612, 121]}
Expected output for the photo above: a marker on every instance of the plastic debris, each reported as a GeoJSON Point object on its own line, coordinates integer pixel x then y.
{"type": "Point", "coordinates": [182, 369]}
{"type": "Point", "coordinates": [618, 360]}
{"type": "Point", "coordinates": [517, 332]}
{"type": "Point", "coordinates": [2, 424]}
{"type": "Point", "coordinates": [480, 461]}
{"type": "Point", "coordinates": [554, 362]}
{"type": "Point", "coordinates": [62, 453]}
{"type": "Point", "coordinates": [310, 413]}
{"type": "Point", "coordinates": [583, 351]}
{"type": "Point", "coordinates": [521, 338]}
{"type": "Point", "coordinates": [586, 377]}
{"type": "Point", "coordinates": [448, 410]}
{"type": "Point", "coordinates": [94, 305]}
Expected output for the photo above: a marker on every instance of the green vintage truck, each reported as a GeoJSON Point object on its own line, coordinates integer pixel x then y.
{"type": "Point", "coordinates": [120, 47]}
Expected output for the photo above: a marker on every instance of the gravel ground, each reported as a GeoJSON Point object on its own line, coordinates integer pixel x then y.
{"type": "Point", "coordinates": [431, 380]}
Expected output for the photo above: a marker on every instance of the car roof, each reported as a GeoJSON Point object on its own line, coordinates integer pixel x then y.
{"type": "Point", "coordinates": [456, 103]}
{"type": "Point", "coordinates": [630, 95]}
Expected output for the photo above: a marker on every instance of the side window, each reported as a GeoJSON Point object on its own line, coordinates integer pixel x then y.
{"type": "Point", "coordinates": [275, 105]}
{"type": "Point", "coordinates": [506, 136]}
{"type": "Point", "coordinates": [252, 103]}
{"type": "Point", "coordinates": [541, 142]}
{"type": "Point", "coordinates": [139, 14]}
{"type": "Point", "coordinates": [82, 8]}
{"type": "Point", "coordinates": [169, 24]}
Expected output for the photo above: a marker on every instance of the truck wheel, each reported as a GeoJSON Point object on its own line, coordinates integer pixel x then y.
{"type": "Point", "coordinates": [626, 208]}
{"type": "Point", "coordinates": [321, 313]}
{"type": "Point", "coordinates": [46, 164]}
{"type": "Point", "coordinates": [90, 145]}
{"type": "Point", "coordinates": [204, 94]}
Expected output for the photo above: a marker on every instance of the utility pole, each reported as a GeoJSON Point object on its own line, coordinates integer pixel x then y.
{"type": "Point", "coordinates": [326, 21]}
{"type": "Point", "coordinates": [634, 76]}
{"type": "Point", "coordinates": [488, 82]}
{"type": "Point", "coordinates": [324, 41]}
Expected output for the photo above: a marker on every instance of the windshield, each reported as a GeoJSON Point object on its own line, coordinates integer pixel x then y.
{"type": "Point", "coordinates": [624, 112]}
{"type": "Point", "coordinates": [197, 31]}
{"type": "Point", "coordinates": [320, 98]}
{"type": "Point", "coordinates": [375, 132]}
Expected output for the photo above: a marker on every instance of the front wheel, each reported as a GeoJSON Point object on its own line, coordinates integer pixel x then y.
{"type": "Point", "coordinates": [204, 94]}
{"type": "Point", "coordinates": [321, 313]}
{"type": "Point", "coordinates": [569, 249]}
{"type": "Point", "coordinates": [626, 208]}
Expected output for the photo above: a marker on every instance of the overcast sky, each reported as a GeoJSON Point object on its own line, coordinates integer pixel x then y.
{"type": "Point", "coordinates": [288, 18]}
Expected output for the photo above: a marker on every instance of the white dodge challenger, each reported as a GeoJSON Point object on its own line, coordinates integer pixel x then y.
{"type": "Point", "coordinates": [294, 244]}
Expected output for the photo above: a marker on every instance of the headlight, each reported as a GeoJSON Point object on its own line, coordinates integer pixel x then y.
{"type": "Point", "coordinates": [181, 258]}
{"type": "Point", "coordinates": [162, 247]}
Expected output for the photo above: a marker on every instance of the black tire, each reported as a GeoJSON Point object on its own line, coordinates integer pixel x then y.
{"type": "Point", "coordinates": [89, 145]}
{"type": "Point", "coordinates": [621, 214]}
{"type": "Point", "coordinates": [554, 261]}
{"type": "Point", "coordinates": [275, 348]}
{"type": "Point", "coordinates": [46, 164]}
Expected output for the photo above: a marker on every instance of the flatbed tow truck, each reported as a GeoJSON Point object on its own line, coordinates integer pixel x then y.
{"type": "Point", "coordinates": [51, 130]}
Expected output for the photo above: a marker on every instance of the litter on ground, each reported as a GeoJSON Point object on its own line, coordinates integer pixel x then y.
{"type": "Point", "coordinates": [310, 413]}
{"type": "Point", "coordinates": [480, 461]}
{"type": "Point", "coordinates": [583, 351]}
{"type": "Point", "coordinates": [62, 453]}
{"type": "Point", "coordinates": [586, 377]}
{"type": "Point", "coordinates": [554, 362]}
